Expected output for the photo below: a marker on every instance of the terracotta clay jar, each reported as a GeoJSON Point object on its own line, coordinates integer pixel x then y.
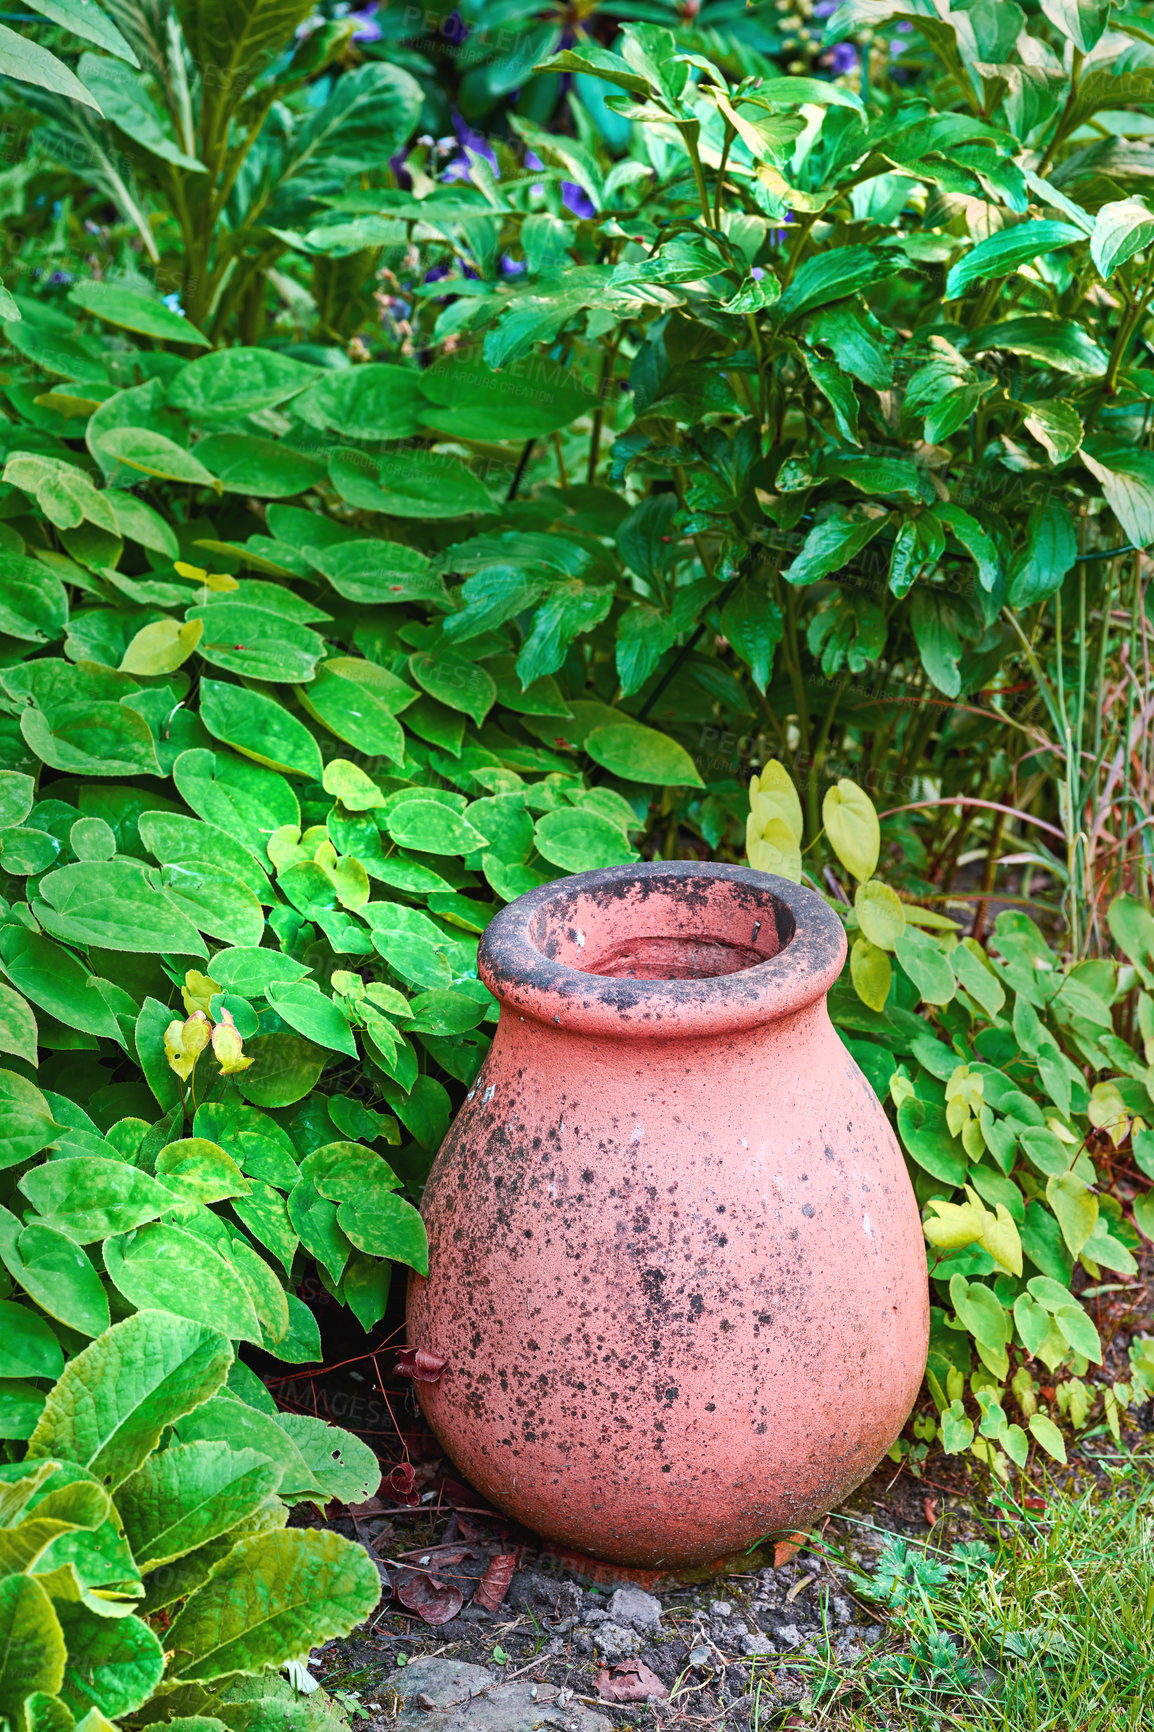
{"type": "Point", "coordinates": [677, 1270]}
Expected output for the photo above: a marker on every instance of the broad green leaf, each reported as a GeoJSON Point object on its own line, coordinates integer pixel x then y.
{"type": "Point", "coordinates": [927, 965]}
{"type": "Point", "coordinates": [28, 63]}
{"type": "Point", "coordinates": [832, 276]}
{"type": "Point", "coordinates": [1077, 1328]}
{"type": "Point", "coordinates": [240, 718]}
{"type": "Point", "coordinates": [644, 633]}
{"type": "Point", "coordinates": [91, 739]}
{"type": "Point", "coordinates": [241, 798]}
{"type": "Point", "coordinates": [55, 1272]}
{"type": "Point", "coordinates": [1057, 427]}
{"type": "Point", "coordinates": [33, 604]}
{"type": "Point", "coordinates": [926, 1136]}
{"type": "Point", "coordinates": [314, 1219]}
{"type": "Point", "coordinates": [115, 1398]}
{"type": "Point", "coordinates": [1032, 1322]}
{"type": "Point", "coordinates": [1132, 929]}
{"type": "Point", "coordinates": [275, 1596]}
{"type": "Point", "coordinates": [979, 1309]}
{"type": "Point", "coordinates": [114, 1664]}
{"type": "Point", "coordinates": [286, 1068]}
{"type": "Point", "coordinates": [831, 544]}
{"type": "Point", "coordinates": [385, 1226]}
{"type": "Point", "coordinates": [89, 22]}
{"type": "Point", "coordinates": [407, 484]}
{"type": "Point", "coordinates": [189, 1494]}
{"type": "Point", "coordinates": [354, 713]}
{"type": "Point", "coordinates": [581, 841]}
{"type": "Point", "coordinates": [1048, 551]}
{"type": "Point", "coordinates": [150, 453]}
{"type": "Point", "coordinates": [340, 1465]}
{"type": "Point", "coordinates": [378, 400]}
{"type": "Point", "coordinates": [263, 468]}
{"type": "Point", "coordinates": [88, 1197]}
{"type": "Point", "coordinates": [957, 1429]}
{"type": "Point", "coordinates": [527, 400]}
{"type": "Point", "coordinates": [111, 903]}
{"type": "Point", "coordinates": [1000, 254]}
{"type": "Point", "coordinates": [21, 1405]}
{"type": "Point", "coordinates": [232, 383]}
{"type": "Point", "coordinates": [640, 754]}
{"type": "Point", "coordinates": [136, 312]}
{"type": "Point", "coordinates": [431, 828]}
{"type": "Point", "coordinates": [349, 784]}
{"type": "Point", "coordinates": [197, 1168]}
{"type": "Point", "coordinates": [28, 1347]}
{"type": "Point", "coordinates": [256, 644]}
{"type": "Point", "coordinates": [455, 681]}
{"type": "Point", "coordinates": [175, 840]}
{"type": "Point", "coordinates": [307, 1009]}
{"type": "Point", "coordinates": [264, 1213]}
{"type": "Point", "coordinates": [1059, 343]}
{"type": "Point", "coordinates": [979, 980]}
{"type": "Point", "coordinates": [1127, 476]}
{"type": "Point", "coordinates": [164, 1268]}
{"type": "Point", "coordinates": [32, 1650]}
{"type": "Point", "coordinates": [250, 971]}
{"type": "Point", "coordinates": [128, 103]}
{"type": "Point", "coordinates": [26, 1123]}
{"type": "Point", "coordinates": [375, 572]}
{"type": "Point", "coordinates": [569, 609]}
{"type": "Point", "coordinates": [62, 491]}
{"type": "Point", "coordinates": [1083, 21]}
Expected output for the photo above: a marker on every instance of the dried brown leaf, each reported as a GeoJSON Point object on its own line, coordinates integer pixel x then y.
{"type": "Point", "coordinates": [419, 1364]}
{"type": "Point", "coordinates": [430, 1598]}
{"type": "Point", "coordinates": [495, 1582]}
{"type": "Point", "coordinates": [632, 1681]}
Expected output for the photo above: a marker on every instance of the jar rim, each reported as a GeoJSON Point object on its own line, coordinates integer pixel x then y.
{"type": "Point", "coordinates": [521, 953]}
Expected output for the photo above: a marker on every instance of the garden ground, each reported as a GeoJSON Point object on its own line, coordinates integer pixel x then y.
{"type": "Point", "coordinates": [936, 1597]}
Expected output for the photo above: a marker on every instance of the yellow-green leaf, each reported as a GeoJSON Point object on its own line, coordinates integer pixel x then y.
{"type": "Point", "coordinates": [160, 648]}
{"type": "Point", "coordinates": [880, 913]}
{"type": "Point", "coordinates": [851, 824]}
{"type": "Point", "coordinates": [1075, 1206]}
{"type": "Point", "coordinates": [870, 971]}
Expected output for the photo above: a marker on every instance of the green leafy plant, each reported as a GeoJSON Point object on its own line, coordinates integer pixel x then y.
{"type": "Point", "coordinates": [146, 1564]}
{"type": "Point", "coordinates": [986, 1059]}
{"type": "Point", "coordinates": [431, 539]}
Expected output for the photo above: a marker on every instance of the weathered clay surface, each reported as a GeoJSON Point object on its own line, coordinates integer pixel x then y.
{"type": "Point", "coordinates": [677, 1269]}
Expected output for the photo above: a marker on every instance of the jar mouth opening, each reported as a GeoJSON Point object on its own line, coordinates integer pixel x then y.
{"type": "Point", "coordinates": [661, 929]}
{"type": "Point", "coordinates": [662, 948]}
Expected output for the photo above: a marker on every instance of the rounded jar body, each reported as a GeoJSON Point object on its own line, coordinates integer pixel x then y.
{"type": "Point", "coordinates": [676, 1264]}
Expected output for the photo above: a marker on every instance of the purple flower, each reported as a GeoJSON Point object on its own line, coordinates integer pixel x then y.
{"type": "Point", "coordinates": [367, 30]}
{"type": "Point", "coordinates": [576, 200]}
{"type": "Point", "coordinates": [511, 267]}
{"type": "Point", "coordinates": [438, 273]}
{"type": "Point", "coordinates": [459, 167]}
{"type": "Point", "coordinates": [843, 59]}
